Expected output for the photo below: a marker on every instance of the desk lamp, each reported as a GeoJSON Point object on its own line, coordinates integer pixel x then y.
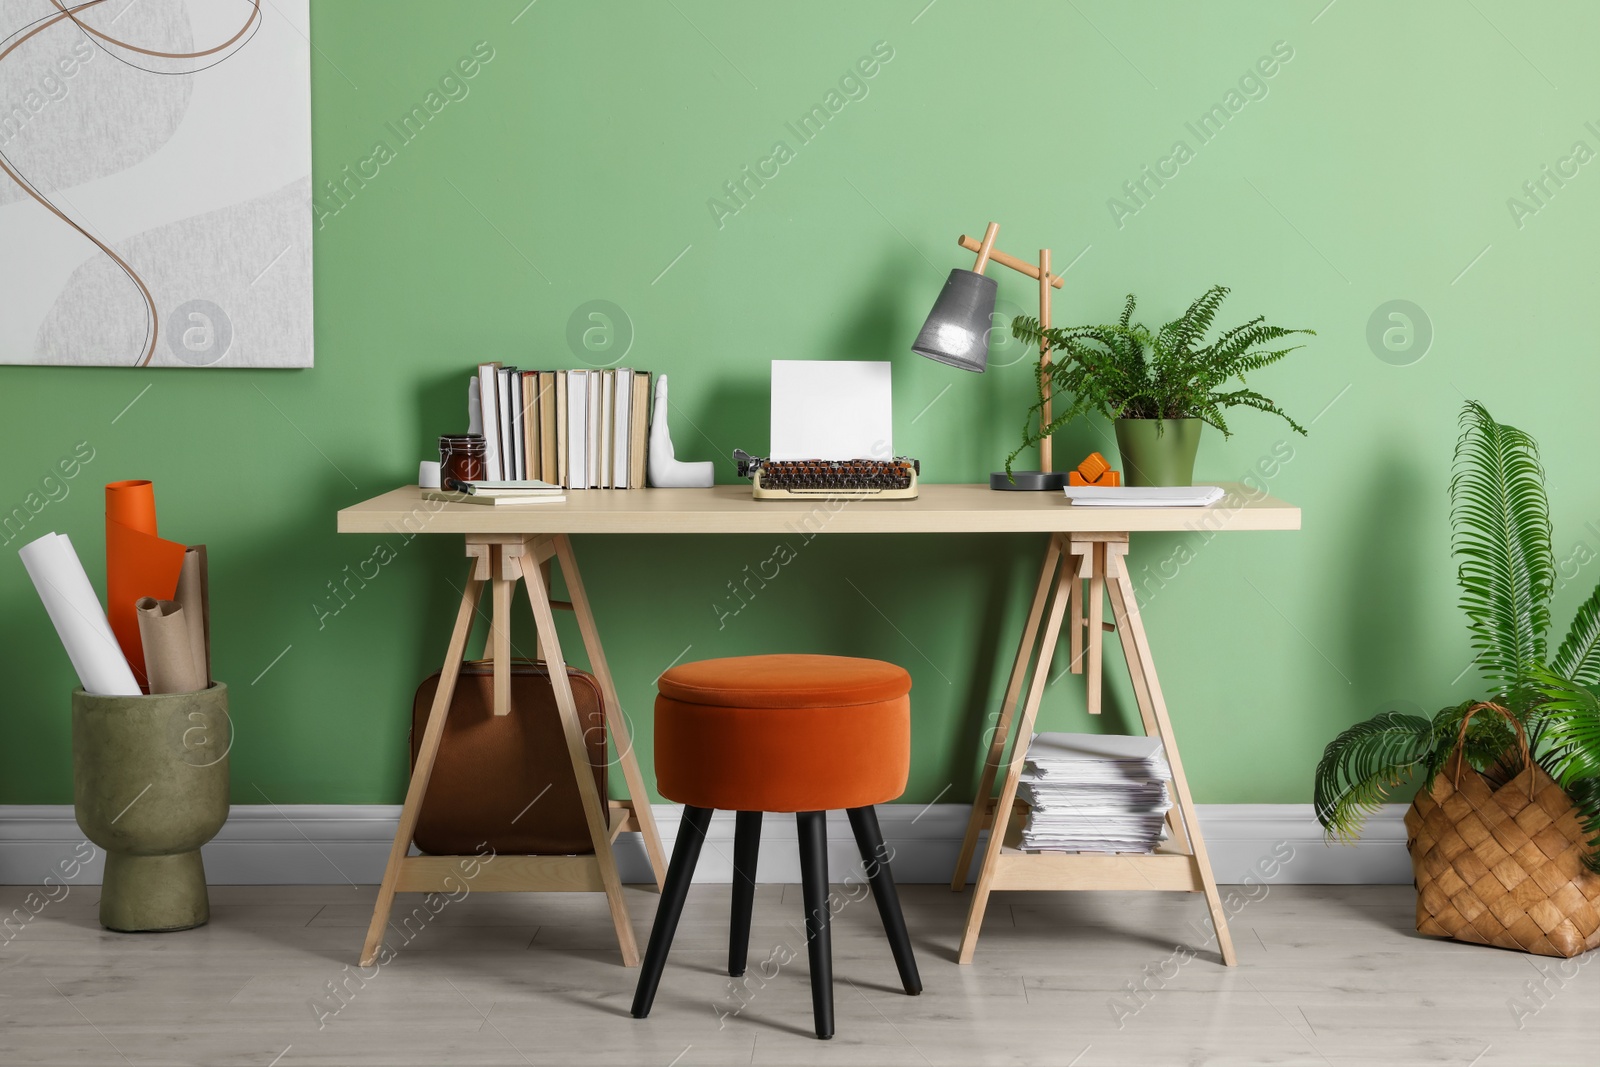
{"type": "Point", "coordinates": [957, 334]}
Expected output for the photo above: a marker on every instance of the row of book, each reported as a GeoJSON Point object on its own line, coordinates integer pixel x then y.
{"type": "Point", "coordinates": [579, 429]}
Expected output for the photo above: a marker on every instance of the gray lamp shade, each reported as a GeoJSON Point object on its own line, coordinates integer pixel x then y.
{"type": "Point", "coordinates": [957, 330]}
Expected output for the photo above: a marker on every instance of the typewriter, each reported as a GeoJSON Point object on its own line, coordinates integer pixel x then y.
{"type": "Point", "coordinates": [801, 479]}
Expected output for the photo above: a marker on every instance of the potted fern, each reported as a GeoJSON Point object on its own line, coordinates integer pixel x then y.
{"type": "Point", "coordinates": [1505, 831]}
{"type": "Point", "coordinates": [1159, 387]}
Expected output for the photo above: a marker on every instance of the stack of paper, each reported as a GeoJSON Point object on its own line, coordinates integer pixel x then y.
{"type": "Point", "coordinates": [1127, 496]}
{"type": "Point", "coordinates": [1094, 793]}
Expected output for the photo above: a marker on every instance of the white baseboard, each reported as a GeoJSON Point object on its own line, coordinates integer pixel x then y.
{"type": "Point", "coordinates": [317, 844]}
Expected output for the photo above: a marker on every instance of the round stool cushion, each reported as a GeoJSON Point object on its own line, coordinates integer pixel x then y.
{"type": "Point", "coordinates": [783, 733]}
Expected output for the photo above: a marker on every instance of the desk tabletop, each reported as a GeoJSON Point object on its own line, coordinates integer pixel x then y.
{"type": "Point", "coordinates": [729, 509]}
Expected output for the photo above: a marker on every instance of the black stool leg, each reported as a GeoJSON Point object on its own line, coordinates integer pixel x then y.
{"type": "Point", "coordinates": [869, 839]}
{"type": "Point", "coordinates": [685, 854]}
{"type": "Point", "coordinates": [746, 846]}
{"type": "Point", "coordinates": [813, 829]}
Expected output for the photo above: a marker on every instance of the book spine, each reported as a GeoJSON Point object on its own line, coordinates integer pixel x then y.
{"type": "Point", "coordinates": [639, 444]}
{"type": "Point", "coordinates": [621, 428]}
{"type": "Point", "coordinates": [578, 427]}
{"type": "Point", "coordinates": [608, 380]}
{"type": "Point", "coordinates": [530, 425]}
{"type": "Point", "coordinates": [488, 397]}
{"type": "Point", "coordinates": [563, 433]}
{"type": "Point", "coordinates": [549, 471]}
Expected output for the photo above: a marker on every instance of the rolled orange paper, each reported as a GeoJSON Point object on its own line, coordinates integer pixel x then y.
{"type": "Point", "coordinates": [138, 564]}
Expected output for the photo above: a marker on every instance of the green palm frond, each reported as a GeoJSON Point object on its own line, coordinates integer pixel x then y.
{"type": "Point", "coordinates": [1578, 658]}
{"type": "Point", "coordinates": [1570, 749]}
{"type": "Point", "coordinates": [1569, 727]}
{"type": "Point", "coordinates": [1361, 766]}
{"type": "Point", "coordinates": [1501, 537]}
{"type": "Point", "coordinates": [1490, 744]}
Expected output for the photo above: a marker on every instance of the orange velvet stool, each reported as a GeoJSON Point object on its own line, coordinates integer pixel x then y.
{"type": "Point", "coordinates": [782, 733]}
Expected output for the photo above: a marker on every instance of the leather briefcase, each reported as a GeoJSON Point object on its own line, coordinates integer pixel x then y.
{"type": "Point", "coordinates": [507, 780]}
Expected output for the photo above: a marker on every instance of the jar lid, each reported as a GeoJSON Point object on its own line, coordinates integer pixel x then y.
{"type": "Point", "coordinates": [467, 439]}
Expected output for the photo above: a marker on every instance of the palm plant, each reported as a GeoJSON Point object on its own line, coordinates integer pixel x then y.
{"type": "Point", "coordinates": [1125, 370]}
{"type": "Point", "coordinates": [1501, 538]}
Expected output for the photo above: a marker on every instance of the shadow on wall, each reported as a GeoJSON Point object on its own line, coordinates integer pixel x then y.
{"type": "Point", "coordinates": [1379, 587]}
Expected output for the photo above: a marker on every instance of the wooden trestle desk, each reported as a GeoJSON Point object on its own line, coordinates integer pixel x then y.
{"type": "Point", "coordinates": [1087, 546]}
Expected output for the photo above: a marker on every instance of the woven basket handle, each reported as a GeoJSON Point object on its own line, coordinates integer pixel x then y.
{"type": "Point", "coordinates": [1461, 738]}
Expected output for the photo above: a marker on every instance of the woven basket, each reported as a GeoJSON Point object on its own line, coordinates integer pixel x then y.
{"type": "Point", "coordinates": [1502, 866]}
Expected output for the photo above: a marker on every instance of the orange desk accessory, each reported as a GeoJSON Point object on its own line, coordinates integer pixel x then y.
{"type": "Point", "coordinates": [1094, 471]}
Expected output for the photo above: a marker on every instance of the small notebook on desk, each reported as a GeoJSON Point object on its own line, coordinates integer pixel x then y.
{"type": "Point", "coordinates": [499, 494]}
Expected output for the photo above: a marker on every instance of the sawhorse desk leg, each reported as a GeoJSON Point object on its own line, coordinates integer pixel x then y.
{"type": "Point", "coordinates": [502, 562]}
{"type": "Point", "coordinates": [1180, 865]}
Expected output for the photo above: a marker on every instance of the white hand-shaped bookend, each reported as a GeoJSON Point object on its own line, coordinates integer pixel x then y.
{"type": "Point", "coordinates": [666, 472]}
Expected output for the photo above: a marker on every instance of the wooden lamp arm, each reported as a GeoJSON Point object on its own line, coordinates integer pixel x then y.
{"type": "Point", "coordinates": [1002, 258]}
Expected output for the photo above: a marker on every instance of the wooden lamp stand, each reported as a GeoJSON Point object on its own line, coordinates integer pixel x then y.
{"type": "Point", "coordinates": [1043, 478]}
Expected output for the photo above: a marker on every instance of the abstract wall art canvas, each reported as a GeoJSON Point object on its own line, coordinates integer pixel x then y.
{"type": "Point", "coordinates": [155, 183]}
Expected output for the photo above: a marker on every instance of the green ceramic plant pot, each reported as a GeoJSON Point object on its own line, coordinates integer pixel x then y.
{"type": "Point", "coordinates": [1166, 457]}
{"type": "Point", "coordinates": [150, 786]}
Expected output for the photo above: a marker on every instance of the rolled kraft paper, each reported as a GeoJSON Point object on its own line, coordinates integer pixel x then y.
{"type": "Point", "coordinates": [192, 596]}
{"type": "Point", "coordinates": [79, 620]}
{"type": "Point", "coordinates": [169, 660]}
{"type": "Point", "coordinates": [138, 563]}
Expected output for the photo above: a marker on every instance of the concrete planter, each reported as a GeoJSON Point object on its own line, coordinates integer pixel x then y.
{"type": "Point", "coordinates": [150, 786]}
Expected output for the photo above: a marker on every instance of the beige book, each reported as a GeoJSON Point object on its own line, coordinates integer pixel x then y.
{"type": "Point", "coordinates": [530, 426]}
{"type": "Point", "coordinates": [639, 431]}
{"type": "Point", "coordinates": [549, 469]}
{"type": "Point", "coordinates": [563, 476]}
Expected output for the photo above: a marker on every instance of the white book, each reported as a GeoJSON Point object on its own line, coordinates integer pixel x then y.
{"type": "Point", "coordinates": [592, 431]}
{"type": "Point", "coordinates": [489, 400]}
{"type": "Point", "coordinates": [622, 422]}
{"type": "Point", "coordinates": [608, 407]}
{"type": "Point", "coordinates": [508, 452]}
{"type": "Point", "coordinates": [518, 462]}
{"type": "Point", "coordinates": [577, 429]}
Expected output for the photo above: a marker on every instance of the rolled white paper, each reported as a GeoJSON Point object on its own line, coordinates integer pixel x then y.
{"type": "Point", "coordinates": [79, 619]}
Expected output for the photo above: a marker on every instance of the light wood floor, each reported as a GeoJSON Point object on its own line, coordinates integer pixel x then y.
{"type": "Point", "coordinates": [1327, 975]}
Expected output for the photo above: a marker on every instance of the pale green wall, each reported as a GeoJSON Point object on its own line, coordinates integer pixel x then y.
{"type": "Point", "coordinates": [1377, 167]}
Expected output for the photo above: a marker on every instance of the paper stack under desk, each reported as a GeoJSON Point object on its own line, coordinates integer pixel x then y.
{"type": "Point", "coordinates": [1094, 793]}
